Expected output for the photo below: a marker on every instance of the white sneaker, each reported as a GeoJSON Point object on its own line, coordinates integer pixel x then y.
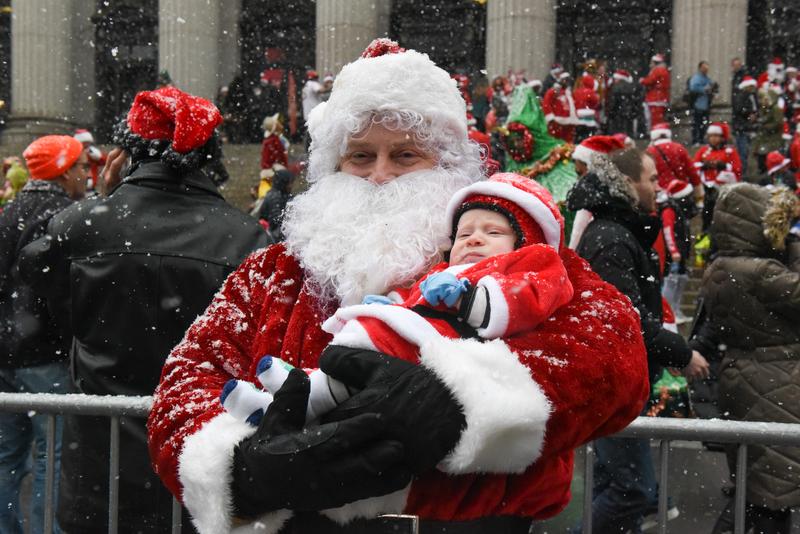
{"type": "Point", "coordinates": [651, 520]}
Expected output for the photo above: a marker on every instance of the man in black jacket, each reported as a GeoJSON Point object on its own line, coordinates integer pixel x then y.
{"type": "Point", "coordinates": [620, 193]}
{"type": "Point", "coordinates": [33, 350]}
{"type": "Point", "coordinates": [129, 273]}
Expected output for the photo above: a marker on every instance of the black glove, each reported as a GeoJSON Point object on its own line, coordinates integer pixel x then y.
{"type": "Point", "coordinates": [283, 465]}
{"type": "Point", "coordinates": [417, 408]}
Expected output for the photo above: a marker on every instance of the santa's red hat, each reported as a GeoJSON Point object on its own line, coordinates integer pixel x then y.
{"type": "Point", "coordinates": [596, 144]}
{"type": "Point", "coordinates": [660, 130]}
{"type": "Point", "coordinates": [625, 139]}
{"type": "Point", "coordinates": [186, 121]}
{"type": "Point", "coordinates": [747, 81]}
{"type": "Point", "coordinates": [658, 58]}
{"type": "Point", "coordinates": [556, 69]}
{"type": "Point", "coordinates": [563, 76]}
{"type": "Point", "coordinates": [719, 128]}
{"type": "Point", "coordinates": [312, 75]}
{"type": "Point", "coordinates": [679, 189]}
{"type": "Point", "coordinates": [623, 75]}
{"type": "Point", "coordinates": [791, 69]}
{"type": "Point", "coordinates": [529, 207]}
{"type": "Point", "coordinates": [84, 136]}
{"type": "Point", "coordinates": [787, 131]}
{"type": "Point", "coordinates": [775, 162]}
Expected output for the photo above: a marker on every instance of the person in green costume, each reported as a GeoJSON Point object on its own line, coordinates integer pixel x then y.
{"type": "Point", "coordinates": [533, 152]}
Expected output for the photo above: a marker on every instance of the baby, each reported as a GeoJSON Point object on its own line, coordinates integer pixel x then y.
{"type": "Point", "coordinates": [504, 276]}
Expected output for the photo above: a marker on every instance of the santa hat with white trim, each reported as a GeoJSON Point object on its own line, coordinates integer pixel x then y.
{"type": "Point", "coordinates": [596, 144]}
{"type": "Point", "coordinates": [83, 135]}
{"type": "Point", "coordinates": [658, 58]}
{"type": "Point", "coordinates": [527, 205]}
{"type": "Point", "coordinates": [660, 130]}
{"type": "Point", "coordinates": [775, 162]}
{"type": "Point", "coordinates": [622, 75]}
{"type": "Point", "coordinates": [747, 81]}
{"type": "Point", "coordinates": [679, 188]}
{"type": "Point", "coordinates": [385, 78]}
{"type": "Point", "coordinates": [719, 128]}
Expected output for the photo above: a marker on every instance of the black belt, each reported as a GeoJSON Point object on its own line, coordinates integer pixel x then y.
{"type": "Point", "coordinates": [313, 523]}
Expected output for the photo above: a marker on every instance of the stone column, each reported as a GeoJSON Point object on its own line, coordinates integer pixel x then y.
{"type": "Point", "coordinates": [344, 29]}
{"type": "Point", "coordinates": [188, 44]}
{"type": "Point", "coordinates": [83, 62]}
{"type": "Point", "coordinates": [41, 81]}
{"type": "Point", "coordinates": [707, 30]}
{"type": "Point", "coordinates": [520, 34]}
{"type": "Point", "coordinates": [229, 50]}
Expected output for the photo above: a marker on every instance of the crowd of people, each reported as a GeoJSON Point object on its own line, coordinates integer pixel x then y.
{"type": "Point", "coordinates": [425, 330]}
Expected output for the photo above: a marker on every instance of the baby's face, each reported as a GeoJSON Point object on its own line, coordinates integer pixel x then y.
{"type": "Point", "coordinates": [480, 235]}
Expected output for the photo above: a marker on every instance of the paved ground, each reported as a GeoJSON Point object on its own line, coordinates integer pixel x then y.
{"type": "Point", "coordinates": [696, 477]}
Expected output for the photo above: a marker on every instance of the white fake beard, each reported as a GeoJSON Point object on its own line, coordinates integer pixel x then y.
{"type": "Point", "coordinates": [355, 238]}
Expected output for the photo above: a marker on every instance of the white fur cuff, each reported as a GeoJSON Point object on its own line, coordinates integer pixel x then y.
{"type": "Point", "coordinates": [393, 503]}
{"type": "Point", "coordinates": [505, 409]}
{"type": "Point", "coordinates": [205, 471]}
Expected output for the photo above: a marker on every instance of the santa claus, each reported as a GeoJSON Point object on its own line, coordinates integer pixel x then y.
{"type": "Point", "coordinates": [388, 150]}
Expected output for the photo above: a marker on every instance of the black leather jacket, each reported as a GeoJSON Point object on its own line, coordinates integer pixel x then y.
{"type": "Point", "coordinates": [28, 335]}
{"type": "Point", "coordinates": [130, 273]}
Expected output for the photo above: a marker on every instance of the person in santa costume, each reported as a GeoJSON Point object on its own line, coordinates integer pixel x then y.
{"type": "Point", "coordinates": [559, 109]}
{"type": "Point", "coordinates": [676, 209]}
{"type": "Point", "coordinates": [718, 164]}
{"type": "Point", "coordinates": [587, 106]}
{"type": "Point", "coordinates": [273, 146]}
{"type": "Point", "coordinates": [388, 150]}
{"type": "Point", "coordinates": [657, 86]}
{"type": "Point", "coordinates": [97, 158]}
{"type": "Point", "coordinates": [778, 171]}
{"type": "Point", "coordinates": [794, 152]}
{"type": "Point", "coordinates": [504, 276]}
{"type": "Point", "coordinates": [672, 159]}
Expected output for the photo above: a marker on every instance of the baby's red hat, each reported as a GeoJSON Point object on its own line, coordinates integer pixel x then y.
{"type": "Point", "coordinates": [530, 207]}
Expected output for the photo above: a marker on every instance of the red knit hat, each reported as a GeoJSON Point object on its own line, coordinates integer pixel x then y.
{"type": "Point", "coordinates": [679, 188]}
{"type": "Point", "coordinates": [52, 155]}
{"type": "Point", "coordinates": [170, 114]}
{"type": "Point", "coordinates": [596, 144]}
{"type": "Point", "coordinates": [529, 207]}
{"type": "Point", "coordinates": [776, 161]}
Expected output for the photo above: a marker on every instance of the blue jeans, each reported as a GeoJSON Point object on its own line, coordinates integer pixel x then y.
{"type": "Point", "coordinates": [21, 432]}
{"type": "Point", "coordinates": [743, 142]}
{"type": "Point", "coordinates": [699, 125]}
{"type": "Point", "coordinates": [625, 487]}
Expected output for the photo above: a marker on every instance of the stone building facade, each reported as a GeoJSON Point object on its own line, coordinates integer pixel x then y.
{"type": "Point", "coordinates": [79, 62]}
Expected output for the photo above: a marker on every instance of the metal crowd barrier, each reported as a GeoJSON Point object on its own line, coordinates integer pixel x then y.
{"type": "Point", "coordinates": [662, 429]}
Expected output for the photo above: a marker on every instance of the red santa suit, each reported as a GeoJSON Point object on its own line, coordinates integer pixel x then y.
{"type": "Point", "coordinates": [718, 166]}
{"type": "Point", "coordinates": [273, 151]}
{"type": "Point", "coordinates": [510, 293]}
{"type": "Point", "coordinates": [672, 163]}
{"type": "Point", "coordinates": [656, 97]}
{"type": "Point", "coordinates": [528, 400]}
{"type": "Point", "coordinates": [587, 102]}
{"type": "Point", "coordinates": [560, 112]}
{"type": "Point", "coordinates": [794, 154]}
